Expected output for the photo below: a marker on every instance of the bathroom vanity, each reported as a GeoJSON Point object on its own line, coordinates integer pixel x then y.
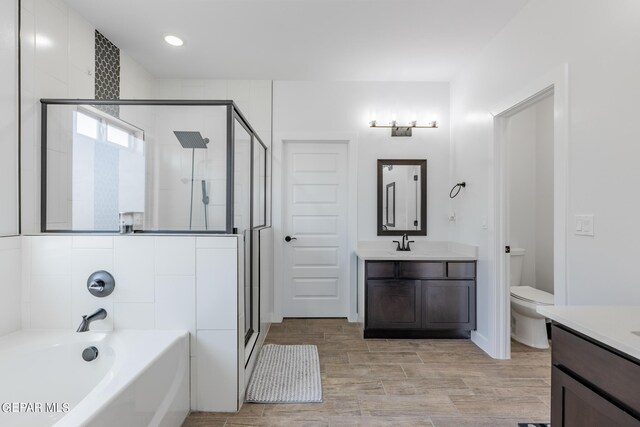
{"type": "Point", "coordinates": [595, 377]}
{"type": "Point", "coordinates": [429, 292]}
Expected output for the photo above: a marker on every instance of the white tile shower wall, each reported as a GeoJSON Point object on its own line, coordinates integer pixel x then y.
{"type": "Point", "coordinates": [10, 267]}
{"type": "Point", "coordinates": [253, 97]}
{"type": "Point", "coordinates": [58, 61]}
{"type": "Point", "coordinates": [162, 282]}
{"type": "Point", "coordinates": [9, 118]}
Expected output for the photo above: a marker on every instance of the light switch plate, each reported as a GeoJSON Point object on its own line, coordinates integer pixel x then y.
{"type": "Point", "coordinates": [584, 225]}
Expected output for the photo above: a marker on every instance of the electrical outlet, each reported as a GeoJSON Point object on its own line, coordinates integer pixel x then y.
{"type": "Point", "coordinates": [584, 225]}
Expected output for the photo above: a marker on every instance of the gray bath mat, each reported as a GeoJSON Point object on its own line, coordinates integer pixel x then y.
{"type": "Point", "coordinates": [286, 374]}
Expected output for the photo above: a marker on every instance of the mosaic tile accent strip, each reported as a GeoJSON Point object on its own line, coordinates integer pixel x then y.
{"type": "Point", "coordinates": [107, 74]}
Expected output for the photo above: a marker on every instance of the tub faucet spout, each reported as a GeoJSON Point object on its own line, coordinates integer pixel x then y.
{"type": "Point", "coordinates": [86, 320]}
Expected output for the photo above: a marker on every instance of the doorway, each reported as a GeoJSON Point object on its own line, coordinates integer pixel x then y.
{"type": "Point", "coordinates": [555, 85]}
{"type": "Point", "coordinates": [315, 191]}
{"type": "Point", "coordinates": [529, 218]}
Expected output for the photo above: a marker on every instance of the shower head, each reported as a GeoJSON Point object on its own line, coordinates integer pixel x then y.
{"type": "Point", "coordinates": [190, 139]}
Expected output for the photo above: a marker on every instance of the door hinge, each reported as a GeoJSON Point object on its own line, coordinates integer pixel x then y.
{"type": "Point", "coordinates": [507, 249]}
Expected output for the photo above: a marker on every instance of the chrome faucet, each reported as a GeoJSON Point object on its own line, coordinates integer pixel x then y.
{"type": "Point", "coordinates": [86, 320]}
{"type": "Point", "coordinates": [406, 243]}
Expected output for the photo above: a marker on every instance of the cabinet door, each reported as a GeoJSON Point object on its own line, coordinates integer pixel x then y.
{"type": "Point", "coordinates": [393, 304]}
{"type": "Point", "coordinates": [575, 405]}
{"type": "Point", "coordinates": [448, 304]}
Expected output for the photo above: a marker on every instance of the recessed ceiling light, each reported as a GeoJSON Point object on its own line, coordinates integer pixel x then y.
{"type": "Point", "coordinates": [173, 40]}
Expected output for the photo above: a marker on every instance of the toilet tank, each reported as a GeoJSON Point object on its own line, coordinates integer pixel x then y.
{"type": "Point", "coordinates": [516, 261]}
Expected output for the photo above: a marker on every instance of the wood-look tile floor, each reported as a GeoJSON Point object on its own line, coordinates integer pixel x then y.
{"type": "Point", "coordinates": [441, 383]}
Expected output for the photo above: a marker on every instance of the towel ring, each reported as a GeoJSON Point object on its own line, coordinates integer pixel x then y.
{"type": "Point", "coordinates": [459, 186]}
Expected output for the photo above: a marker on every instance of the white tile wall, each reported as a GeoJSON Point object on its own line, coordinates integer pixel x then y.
{"type": "Point", "coordinates": [175, 306]}
{"type": "Point", "coordinates": [162, 282]}
{"type": "Point", "coordinates": [134, 267]}
{"type": "Point", "coordinates": [134, 315]}
{"type": "Point", "coordinates": [217, 379]}
{"type": "Point", "coordinates": [58, 61]}
{"type": "Point", "coordinates": [217, 305]}
{"type": "Point", "coordinates": [10, 267]}
{"type": "Point", "coordinates": [175, 256]}
{"type": "Point", "coordinates": [253, 97]}
{"type": "Point", "coordinates": [8, 118]}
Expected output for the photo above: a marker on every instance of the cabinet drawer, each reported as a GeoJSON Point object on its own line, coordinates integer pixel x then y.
{"type": "Point", "coordinates": [461, 270]}
{"type": "Point", "coordinates": [381, 270]}
{"type": "Point", "coordinates": [421, 270]}
{"type": "Point", "coordinates": [613, 374]}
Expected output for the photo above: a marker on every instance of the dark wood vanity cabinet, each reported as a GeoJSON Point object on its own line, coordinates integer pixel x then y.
{"type": "Point", "coordinates": [420, 299]}
{"type": "Point", "coordinates": [592, 385]}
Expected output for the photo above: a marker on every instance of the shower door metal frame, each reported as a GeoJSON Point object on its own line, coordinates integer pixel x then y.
{"type": "Point", "coordinates": [233, 113]}
{"type": "Point", "coordinates": [237, 115]}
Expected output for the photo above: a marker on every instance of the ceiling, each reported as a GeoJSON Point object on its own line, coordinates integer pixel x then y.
{"type": "Point", "coordinates": [363, 40]}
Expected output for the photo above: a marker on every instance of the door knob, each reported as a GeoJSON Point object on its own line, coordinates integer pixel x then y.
{"type": "Point", "coordinates": [289, 238]}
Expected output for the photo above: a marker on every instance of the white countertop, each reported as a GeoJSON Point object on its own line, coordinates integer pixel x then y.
{"type": "Point", "coordinates": [420, 251]}
{"type": "Point", "coordinates": [609, 325]}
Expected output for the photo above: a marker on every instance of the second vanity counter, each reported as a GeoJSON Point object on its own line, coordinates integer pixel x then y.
{"type": "Point", "coordinates": [595, 372]}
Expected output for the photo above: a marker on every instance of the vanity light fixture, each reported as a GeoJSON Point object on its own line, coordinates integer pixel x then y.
{"type": "Point", "coordinates": [398, 130]}
{"type": "Point", "coordinates": [173, 40]}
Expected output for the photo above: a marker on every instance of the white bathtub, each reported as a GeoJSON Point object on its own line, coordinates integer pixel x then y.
{"type": "Point", "coordinates": [140, 378]}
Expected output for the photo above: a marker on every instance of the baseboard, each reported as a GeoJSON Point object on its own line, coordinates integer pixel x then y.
{"type": "Point", "coordinates": [275, 318]}
{"type": "Point", "coordinates": [481, 341]}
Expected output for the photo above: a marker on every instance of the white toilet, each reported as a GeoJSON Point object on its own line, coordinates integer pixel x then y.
{"type": "Point", "coordinates": [527, 326]}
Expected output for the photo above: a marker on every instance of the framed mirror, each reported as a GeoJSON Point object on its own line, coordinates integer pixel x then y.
{"type": "Point", "coordinates": [402, 197]}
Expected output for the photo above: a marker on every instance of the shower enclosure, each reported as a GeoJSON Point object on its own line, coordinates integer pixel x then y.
{"type": "Point", "coordinates": [187, 166]}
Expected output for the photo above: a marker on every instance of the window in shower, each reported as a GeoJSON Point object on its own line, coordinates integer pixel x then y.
{"type": "Point", "coordinates": [106, 174]}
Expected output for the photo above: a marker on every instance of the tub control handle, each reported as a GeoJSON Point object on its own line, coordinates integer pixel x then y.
{"type": "Point", "coordinates": [101, 284]}
{"type": "Point", "coordinates": [97, 285]}
{"type": "Point", "coordinates": [89, 354]}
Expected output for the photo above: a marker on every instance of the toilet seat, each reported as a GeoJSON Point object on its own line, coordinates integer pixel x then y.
{"type": "Point", "coordinates": [532, 295]}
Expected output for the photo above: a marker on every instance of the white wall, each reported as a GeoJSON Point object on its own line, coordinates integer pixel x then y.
{"type": "Point", "coordinates": [530, 148]}
{"type": "Point", "coordinates": [544, 195]}
{"type": "Point", "coordinates": [522, 189]}
{"type": "Point", "coordinates": [346, 108]}
{"type": "Point", "coordinates": [599, 42]}
{"type": "Point", "coordinates": [157, 280]}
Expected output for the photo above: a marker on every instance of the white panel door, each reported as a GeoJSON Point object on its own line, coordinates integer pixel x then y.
{"type": "Point", "coordinates": [315, 218]}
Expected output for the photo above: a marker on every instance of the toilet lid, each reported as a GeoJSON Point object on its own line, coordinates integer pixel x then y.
{"type": "Point", "coordinates": [527, 293]}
